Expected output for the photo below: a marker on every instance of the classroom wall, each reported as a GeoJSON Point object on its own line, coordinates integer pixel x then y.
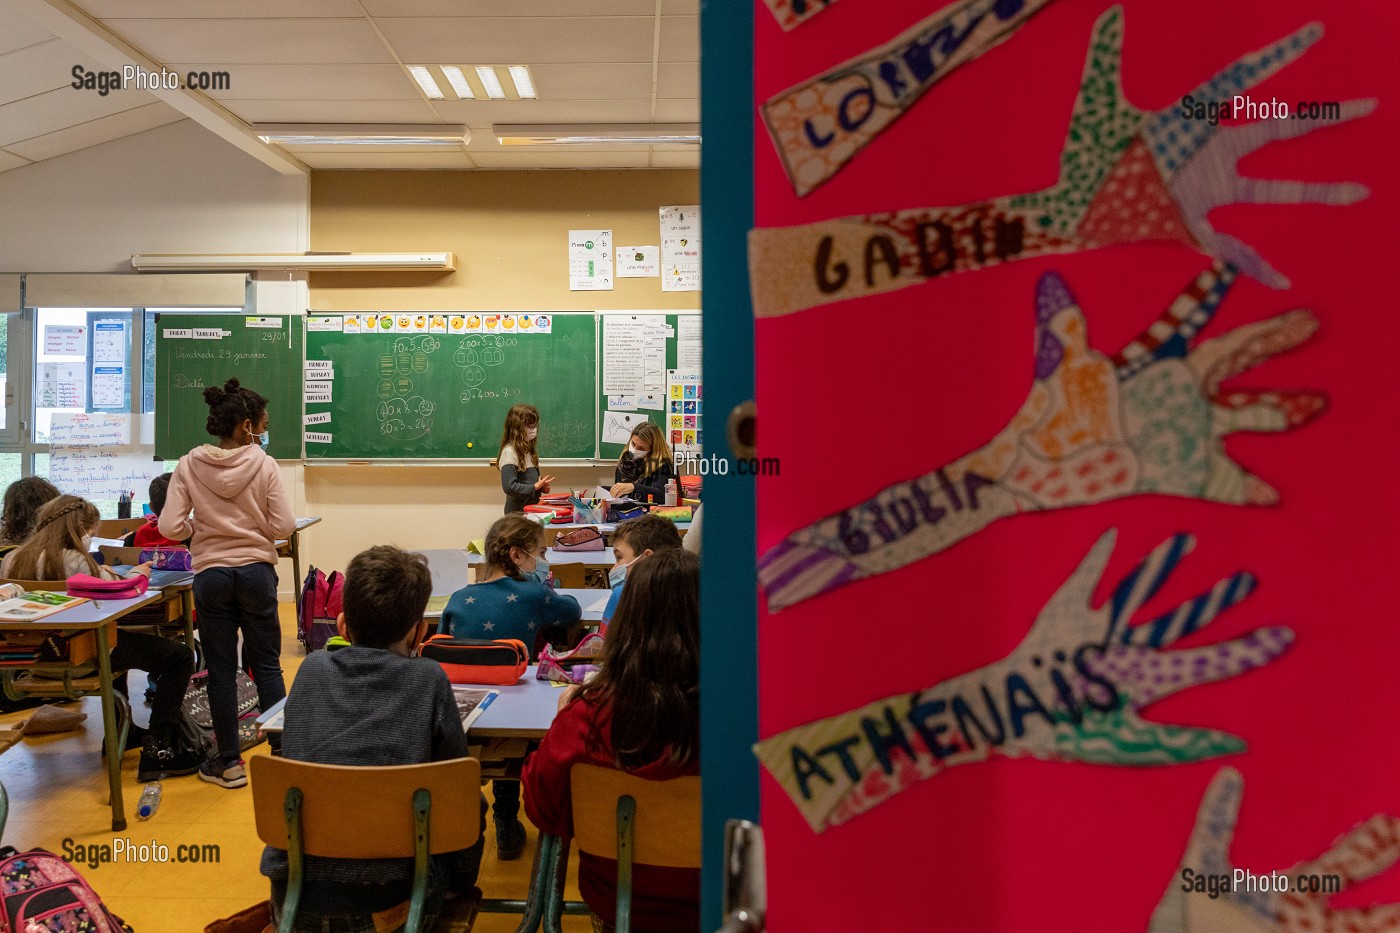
{"type": "Point", "coordinates": [509, 232]}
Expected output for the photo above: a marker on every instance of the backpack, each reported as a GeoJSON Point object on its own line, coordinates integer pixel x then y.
{"type": "Point", "coordinates": [197, 722]}
{"type": "Point", "coordinates": [40, 891]}
{"type": "Point", "coordinates": [320, 604]}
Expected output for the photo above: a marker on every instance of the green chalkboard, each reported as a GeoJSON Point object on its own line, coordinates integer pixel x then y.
{"type": "Point", "coordinates": [445, 396]}
{"type": "Point", "coordinates": [194, 351]}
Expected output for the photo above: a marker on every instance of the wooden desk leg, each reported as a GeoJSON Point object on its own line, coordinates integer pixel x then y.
{"type": "Point", "coordinates": [295, 542]}
{"type": "Point", "coordinates": [187, 616]}
{"type": "Point", "coordinates": [114, 742]}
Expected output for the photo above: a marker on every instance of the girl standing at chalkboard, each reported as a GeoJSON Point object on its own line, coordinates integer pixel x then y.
{"type": "Point", "coordinates": [645, 467]}
{"type": "Point", "coordinates": [240, 509]}
{"type": "Point", "coordinates": [519, 460]}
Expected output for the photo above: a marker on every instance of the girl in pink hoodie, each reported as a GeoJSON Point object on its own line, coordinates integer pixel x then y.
{"type": "Point", "coordinates": [240, 510]}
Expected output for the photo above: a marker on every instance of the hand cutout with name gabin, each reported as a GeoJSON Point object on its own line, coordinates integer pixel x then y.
{"type": "Point", "coordinates": [1149, 419]}
{"type": "Point", "coordinates": [1126, 175]}
{"type": "Point", "coordinates": [1209, 895]}
{"type": "Point", "coordinates": [1071, 691]}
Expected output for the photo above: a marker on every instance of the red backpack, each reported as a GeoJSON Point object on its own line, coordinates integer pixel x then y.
{"type": "Point", "coordinates": [39, 890]}
{"type": "Point", "coordinates": [321, 598]}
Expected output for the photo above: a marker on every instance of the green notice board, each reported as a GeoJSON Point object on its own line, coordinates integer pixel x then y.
{"type": "Point", "coordinates": [445, 395]}
{"type": "Point", "coordinates": [613, 451]}
{"type": "Point", "coordinates": [194, 351]}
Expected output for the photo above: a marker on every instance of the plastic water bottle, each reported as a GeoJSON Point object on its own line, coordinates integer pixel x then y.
{"type": "Point", "coordinates": [150, 801]}
{"type": "Point", "coordinates": [672, 498]}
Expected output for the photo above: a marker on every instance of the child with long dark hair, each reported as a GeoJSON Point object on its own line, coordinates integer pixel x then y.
{"type": "Point", "coordinates": [240, 509]}
{"type": "Point", "coordinates": [519, 460]}
{"type": "Point", "coordinates": [645, 467]}
{"type": "Point", "coordinates": [640, 713]}
{"type": "Point", "coordinates": [23, 500]}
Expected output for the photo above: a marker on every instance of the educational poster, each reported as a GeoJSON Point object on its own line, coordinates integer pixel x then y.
{"type": "Point", "coordinates": [60, 385]}
{"type": "Point", "coordinates": [685, 399]}
{"type": "Point", "coordinates": [65, 340]}
{"type": "Point", "coordinates": [590, 260]}
{"type": "Point", "coordinates": [680, 248]}
{"type": "Point", "coordinates": [108, 374]}
{"type": "Point", "coordinates": [91, 454]}
{"type": "Point", "coordinates": [1071, 322]}
{"type": "Point", "coordinates": [638, 262]}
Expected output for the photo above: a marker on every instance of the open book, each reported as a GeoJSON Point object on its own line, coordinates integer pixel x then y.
{"type": "Point", "coordinates": [36, 605]}
{"type": "Point", "coordinates": [472, 702]}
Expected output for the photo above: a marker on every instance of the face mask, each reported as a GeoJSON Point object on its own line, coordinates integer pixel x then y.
{"type": "Point", "coordinates": [619, 573]}
{"type": "Point", "coordinates": [635, 453]}
{"type": "Point", "coordinates": [261, 439]}
{"type": "Point", "coordinates": [87, 544]}
{"type": "Point", "coordinates": [531, 433]}
{"type": "Point", "coordinates": [541, 572]}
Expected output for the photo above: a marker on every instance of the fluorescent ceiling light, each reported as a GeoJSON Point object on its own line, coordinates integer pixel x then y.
{"type": "Point", "coordinates": [608, 134]}
{"type": "Point", "coordinates": [490, 82]}
{"type": "Point", "coordinates": [460, 87]}
{"type": "Point", "coordinates": [424, 77]}
{"type": "Point", "coordinates": [362, 134]}
{"type": "Point", "coordinates": [290, 262]}
{"type": "Point", "coordinates": [524, 85]}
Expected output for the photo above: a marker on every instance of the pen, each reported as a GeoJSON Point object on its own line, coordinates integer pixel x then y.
{"type": "Point", "coordinates": [487, 702]}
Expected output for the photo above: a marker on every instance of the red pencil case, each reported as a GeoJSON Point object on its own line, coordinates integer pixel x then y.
{"type": "Point", "coordinates": [557, 513]}
{"type": "Point", "coordinates": [499, 662]}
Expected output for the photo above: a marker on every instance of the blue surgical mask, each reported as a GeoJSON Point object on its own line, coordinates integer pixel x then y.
{"type": "Point", "coordinates": [618, 574]}
{"type": "Point", "coordinates": [264, 439]}
{"type": "Point", "coordinates": [541, 571]}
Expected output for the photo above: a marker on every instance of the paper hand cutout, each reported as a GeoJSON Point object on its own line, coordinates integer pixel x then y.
{"type": "Point", "coordinates": [1189, 906]}
{"type": "Point", "coordinates": [1072, 691]}
{"type": "Point", "coordinates": [1150, 419]}
{"type": "Point", "coordinates": [1126, 175]}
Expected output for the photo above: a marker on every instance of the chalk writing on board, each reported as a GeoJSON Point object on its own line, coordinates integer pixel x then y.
{"type": "Point", "coordinates": [473, 355]}
{"type": "Point", "coordinates": [403, 415]}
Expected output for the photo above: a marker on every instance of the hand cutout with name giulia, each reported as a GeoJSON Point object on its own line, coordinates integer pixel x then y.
{"type": "Point", "coordinates": [1126, 175]}
{"type": "Point", "coordinates": [1149, 420]}
{"type": "Point", "coordinates": [1209, 895]}
{"type": "Point", "coordinates": [1071, 691]}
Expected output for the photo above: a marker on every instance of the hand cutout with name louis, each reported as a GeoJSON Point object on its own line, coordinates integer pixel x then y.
{"type": "Point", "coordinates": [1071, 691]}
{"type": "Point", "coordinates": [1126, 175]}
{"type": "Point", "coordinates": [1150, 419]}
{"type": "Point", "coordinates": [1209, 895]}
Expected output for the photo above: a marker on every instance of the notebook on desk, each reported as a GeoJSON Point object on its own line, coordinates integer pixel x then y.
{"type": "Point", "coordinates": [472, 702]}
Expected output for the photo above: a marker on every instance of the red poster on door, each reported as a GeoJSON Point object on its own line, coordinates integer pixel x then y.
{"type": "Point", "coordinates": [1072, 330]}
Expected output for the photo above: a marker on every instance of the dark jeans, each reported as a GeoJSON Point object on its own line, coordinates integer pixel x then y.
{"type": "Point", "coordinates": [229, 600]}
{"type": "Point", "coordinates": [167, 658]}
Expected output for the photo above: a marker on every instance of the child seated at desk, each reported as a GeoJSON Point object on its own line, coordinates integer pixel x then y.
{"type": "Point", "coordinates": [373, 703]}
{"type": "Point", "coordinates": [510, 600]}
{"type": "Point", "coordinates": [23, 500]}
{"type": "Point", "coordinates": [148, 535]}
{"type": "Point", "coordinates": [640, 713]}
{"type": "Point", "coordinates": [58, 549]}
{"type": "Point", "coordinates": [634, 539]}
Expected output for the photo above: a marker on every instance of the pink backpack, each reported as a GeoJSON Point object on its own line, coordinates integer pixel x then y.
{"type": "Point", "coordinates": [40, 891]}
{"type": "Point", "coordinates": [321, 598]}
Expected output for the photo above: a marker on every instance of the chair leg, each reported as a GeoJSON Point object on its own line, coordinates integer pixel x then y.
{"type": "Point", "coordinates": [626, 826]}
{"type": "Point", "coordinates": [541, 875]}
{"type": "Point", "coordinates": [296, 860]}
{"type": "Point", "coordinates": [554, 900]}
{"type": "Point", "coordinates": [422, 809]}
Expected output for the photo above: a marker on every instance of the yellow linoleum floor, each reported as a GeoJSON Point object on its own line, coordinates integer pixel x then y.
{"type": "Point", "coordinates": [57, 787]}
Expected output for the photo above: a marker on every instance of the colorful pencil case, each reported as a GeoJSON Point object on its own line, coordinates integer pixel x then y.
{"type": "Point", "coordinates": [500, 662]}
{"type": "Point", "coordinates": [676, 513]}
{"type": "Point", "coordinates": [580, 539]}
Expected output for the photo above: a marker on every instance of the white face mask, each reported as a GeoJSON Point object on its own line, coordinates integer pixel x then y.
{"type": "Point", "coordinates": [635, 453]}
{"type": "Point", "coordinates": [531, 433]}
{"type": "Point", "coordinates": [87, 544]}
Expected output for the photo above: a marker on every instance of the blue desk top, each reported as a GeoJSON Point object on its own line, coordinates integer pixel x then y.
{"type": "Point", "coordinates": [450, 571]}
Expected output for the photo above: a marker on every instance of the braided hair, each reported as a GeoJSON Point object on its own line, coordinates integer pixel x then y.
{"type": "Point", "coordinates": [508, 531]}
{"type": "Point", "coordinates": [231, 406]}
{"type": "Point", "coordinates": [60, 528]}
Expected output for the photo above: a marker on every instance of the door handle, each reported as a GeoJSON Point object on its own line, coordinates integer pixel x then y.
{"type": "Point", "coordinates": [745, 878]}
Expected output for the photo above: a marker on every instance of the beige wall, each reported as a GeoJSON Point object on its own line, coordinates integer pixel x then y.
{"type": "Point", "coordinates": [509, 232]}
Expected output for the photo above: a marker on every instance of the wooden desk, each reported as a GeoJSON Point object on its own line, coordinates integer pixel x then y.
{"type": "Point", "coordinates": [100, 617]}
{"type": "Point", "coordinates": [292, 548]}
{"type": "Point", "coordinates": [607, 528]}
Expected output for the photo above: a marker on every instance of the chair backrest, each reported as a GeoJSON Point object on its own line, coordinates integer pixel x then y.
{"type": "Point", "coordinates": [55, 586]}
{"type": "Point", "coordinates": [667, 829]}
{"type": "Point", "coordinates": [366, 812]}
{"type": "Point", "coordinates": [120, 556]}
{"type": "Point", "coordinates": [119, 527]}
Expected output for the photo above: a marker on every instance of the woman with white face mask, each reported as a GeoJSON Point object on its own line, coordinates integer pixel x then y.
{"type": "Point", "coordinates": [519, 460]}
{"type": "Point", "coordinates": [645, 467]}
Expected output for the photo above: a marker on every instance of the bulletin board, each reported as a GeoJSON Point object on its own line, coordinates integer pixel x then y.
{"type": "Point", "coordinates": [671, 359]}
{"type": "Point", "coordinates": [1102, 353]}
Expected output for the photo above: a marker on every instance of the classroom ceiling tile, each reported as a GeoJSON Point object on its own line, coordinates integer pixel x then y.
{"type": "Point", "coordinates": [680, 38]}
{"type": "Point", "coordinates": [669, 158]}
{"type": "Point", "coordinates": [677, 111]}
{"type": "Point", "coordinates": [34, 70]}
{"type": "Point", "coordinates": [484, 113]}
{"type": "Point", "coordinates": [56, 110]}
{"type": "Point", "coordinates": [310, 82]}
{"type": "Point", "coordinates": [273, 41]}
{"type": "Point", "coordinates": [217, 9]}
{"type": "Point", "coordinates": [556, 8]}
{"type": "Point", "coordinates": [333, 111]}
{"type": "Point", "coordinates": [680, 7]}
{"type": "Point", "coordinates": [637, 157]}
{"type": "Point", "coordinates": [520, 39]}
{"type": "Point", "coordinates": [9, 160]}
{"type": "Point", "coordinates": [599, 81]}
{"type": "Point", "coordinates": [412, 161]}
{"type": "Point", "coordinates": [678, 80]}
{"type": "Point", "coordinates": [17, 33]}
{"type": "Point", "coordinates": [93, 132]}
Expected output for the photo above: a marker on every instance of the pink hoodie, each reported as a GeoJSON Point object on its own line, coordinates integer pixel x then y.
{"type": "Point", "coordinates": [240, 506]}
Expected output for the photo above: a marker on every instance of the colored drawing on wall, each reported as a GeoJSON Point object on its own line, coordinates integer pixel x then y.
{"type": "Point", "coordinates": [1071, 691]}
{"type": "Point", "coordinates": [792, 13]}
{"type": "Point", "coordinates": [1150, 419]}
{"type": "Point", "coordinates": [1126, 175]}
{"type": "Point", "coordinates": [1208, 893]}
{"type": "Point", "coordinates": [821, 124]}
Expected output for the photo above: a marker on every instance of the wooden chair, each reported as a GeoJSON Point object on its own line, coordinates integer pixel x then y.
{"type": "Point", "coordinates": [403, 811]}
{"type": "Point", "coordinates": [626, 818]}
{"type": "Point", "coordinates": [119, 527]}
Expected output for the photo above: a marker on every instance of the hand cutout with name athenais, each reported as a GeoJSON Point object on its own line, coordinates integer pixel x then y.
{"type": "Point", "coordinates": [1149, 419]}
{"type": "Point", "coordinates": [1071, 691]}
{"type": "Point", "coordinates": [1126, 175]}
{"type": "Point", "coordinates": [1209, 895]}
